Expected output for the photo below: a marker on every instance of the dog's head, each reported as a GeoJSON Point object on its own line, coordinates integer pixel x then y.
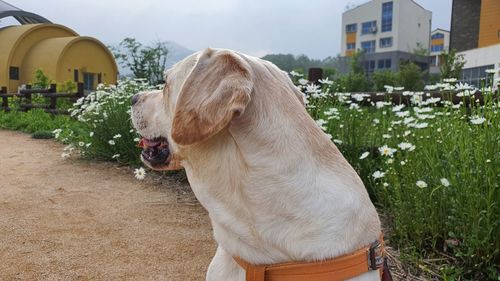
{"type": "Point", "coordinates": [202, 95]}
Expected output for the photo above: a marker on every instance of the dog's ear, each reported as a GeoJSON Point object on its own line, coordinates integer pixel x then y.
{"type": "Point", "coordinates": [216, 91]}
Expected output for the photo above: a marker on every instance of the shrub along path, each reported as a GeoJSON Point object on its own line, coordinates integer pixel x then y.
{"type": "Point", "coordinates": [75, 220]}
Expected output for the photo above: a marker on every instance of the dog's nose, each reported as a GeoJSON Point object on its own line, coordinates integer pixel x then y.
{"type": "Point", "coordinates": [134, 99]}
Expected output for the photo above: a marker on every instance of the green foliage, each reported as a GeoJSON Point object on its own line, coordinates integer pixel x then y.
{"type": "Point", "coordinates": [35, 120]}
{"type": "Point", "coordinates": [146, 62]}
{"type": "Point", "coordinates": [383, 78]}
{"type": "Point", "coordinates": [410, 76]}
{"type": "Point", "coordinates": [107, 132]}
{"type": "Point", "coordinates": [329, 73]}
{"type": "Point", "coordinates": [43, 135]}
{"type": "Point", "coordinates": [452, 65]}
{"type": "Point", "coordinates": [352, 82]}
{"type": "Point", "coordinates": [289, 62]}
{"type": "Point", "coordinates": [451, 218]}
{"type": "Point", "coordinates": [356, 66]}
{"type": "Point", "coordinates": [68, 86]}
{"type": "Point", "coordinates": [41, 80]}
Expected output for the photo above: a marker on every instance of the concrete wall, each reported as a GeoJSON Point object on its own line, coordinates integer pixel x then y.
{"type": "Point", "coordinates": [482, 56]}
{"type": "Point", "coordinates": [414, 24]}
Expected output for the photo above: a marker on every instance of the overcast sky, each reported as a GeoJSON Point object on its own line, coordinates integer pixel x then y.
{"type": "Point", "coordinates": [256, 27]}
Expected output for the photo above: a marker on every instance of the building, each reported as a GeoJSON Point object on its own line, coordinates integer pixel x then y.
{"type": "Point", "coordinates": [475, 33]}
{"type": "Point", "coordinates": [388, 33]}
{"type": "Point", "coordinates": [59, 51]}
{"type": "Point", "coordinates": [440, 43]}
{"type": "Point", "coordinates": [474, 24]}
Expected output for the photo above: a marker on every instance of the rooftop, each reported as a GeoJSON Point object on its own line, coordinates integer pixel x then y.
{"type": "Point", "coordinates": [23, 17]}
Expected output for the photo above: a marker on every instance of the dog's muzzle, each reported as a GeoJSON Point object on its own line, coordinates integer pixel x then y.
{"type": "Point", "coordinates": [155, 152]}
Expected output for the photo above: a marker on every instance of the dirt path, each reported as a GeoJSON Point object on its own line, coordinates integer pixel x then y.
{"type": "Point", "coordinates": [75, 220]}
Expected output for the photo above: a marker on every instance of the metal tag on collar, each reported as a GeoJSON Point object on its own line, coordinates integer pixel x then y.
{"type": "Point", "coordinates": [375, 255]}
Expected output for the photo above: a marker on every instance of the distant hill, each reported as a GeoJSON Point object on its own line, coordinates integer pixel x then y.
{"type": "Point", "coordinates": [176, 53]}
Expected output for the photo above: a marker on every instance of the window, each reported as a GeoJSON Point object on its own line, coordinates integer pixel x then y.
{"type": "Point", "coordinates": [75, 75]}
{"type": "Point", "coordinates": [437, 36]}
{"type": "Point", "coordinates": [351, 46]}
{"type": "Point", "coordinates": [351, 28]}
{"type": "Point", "coordinates": [369, 66]}
{"type": "Point", "coordinates": [14, 73]}
{"type": "Point", "coordinates": [434, 61]}
{"type": "Point", "coordinates": [386, 16]}
{"type": "Point", "coordinates": [369, 27]}
{"type": "Point", "coordinates": [476, 76]}
{"type": "Point", "coordinates": [99, 78]}
{"type": "Point", "coordinates": [386, 42]}
{"type": "Point", "coordinates": [436, 48]}
{"type": "Point", "coordinates": [88, 81]}
{"type": "Point", "coordinates": [368, 46]}
{"type": "Point", "coordinates": [384, 64]}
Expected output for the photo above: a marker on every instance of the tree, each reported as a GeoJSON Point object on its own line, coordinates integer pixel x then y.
{"type": "Point", "coordinates": [383, 78]}
{"type": "Point", "coordinates": [410, 76]}
{"type": "Point", "coordinates": [144, 61]}
{"type": "Point", "coordinates": [452, 64]}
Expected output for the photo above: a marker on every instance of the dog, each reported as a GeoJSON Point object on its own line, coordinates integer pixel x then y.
{"type": "Point", "coordinates": [275, 186]}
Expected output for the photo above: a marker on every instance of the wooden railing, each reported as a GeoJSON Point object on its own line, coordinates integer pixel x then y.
{"type": "Point", "coordinates": [51, 94]}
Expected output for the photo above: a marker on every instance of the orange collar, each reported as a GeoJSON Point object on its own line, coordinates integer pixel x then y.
{"type": "Point", "coordinates": [368, 258]}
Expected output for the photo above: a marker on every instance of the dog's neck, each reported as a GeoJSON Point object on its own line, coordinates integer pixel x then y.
{"type": "Point", "coordinates": [277, 193]}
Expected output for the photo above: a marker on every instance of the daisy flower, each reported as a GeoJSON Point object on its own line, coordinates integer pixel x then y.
{"type": "Point", "coordinates": [140, 173]}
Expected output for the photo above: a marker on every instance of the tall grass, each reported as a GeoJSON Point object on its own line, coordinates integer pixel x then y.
{"type": "Point", "coordinates": [433, 170]}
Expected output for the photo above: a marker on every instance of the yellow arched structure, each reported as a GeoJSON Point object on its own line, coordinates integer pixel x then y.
{"type": "Point", "coordinates": [58, 51]}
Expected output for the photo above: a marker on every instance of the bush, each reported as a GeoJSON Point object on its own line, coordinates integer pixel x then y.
{"type": "Point", "coordinates": [432, 170]}
{"type": "Point", "coordinates": [383, 78]}
{"type": "Point", "coordinates": [107, 131]}
{"type": "Point", "coordinates": [36, 120]}
{"type": "Point", "coordinates": [43, 135]}
{"type": "Point", "coordinates": [352, 82]}
{"type": "Point", "coordinates": [410, 77]}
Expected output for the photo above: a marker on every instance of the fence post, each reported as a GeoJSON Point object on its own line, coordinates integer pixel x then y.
{"type": "Point", "coordinates": [315, 74]}
{"type": "Point", "coordinates": [53, 98]}
{"type": "Point", "coordinates": [5, 99]}
{"type": "Point", "coordinates": [27, 96]}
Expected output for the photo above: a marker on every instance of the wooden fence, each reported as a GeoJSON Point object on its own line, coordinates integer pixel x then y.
{"type": "Point", "coordinates": [51, 94]}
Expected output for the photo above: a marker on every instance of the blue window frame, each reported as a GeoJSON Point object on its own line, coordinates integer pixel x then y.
{"type": "Point", "coordinates": [369, 27]}
{"type": "Point", "coordinates": [437, 36]}
{"type": "Point", "coordinates": [384, 64]}
{"type": "Point", "coordinates": [351, 46]}
{"type": "Point", "coordinates": [386, 42]}
{"type": "Point", "coordinates": [386, 16]}
{"type": "Point", "coordinates": [350, 28]}
{"type": "Point", "coordinates": [368, 46]}
{"type": "Point", "coordinates": [436, 48]}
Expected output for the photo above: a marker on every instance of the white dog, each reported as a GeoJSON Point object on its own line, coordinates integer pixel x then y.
{"type": "Point", "coordinates": [276, 188]}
